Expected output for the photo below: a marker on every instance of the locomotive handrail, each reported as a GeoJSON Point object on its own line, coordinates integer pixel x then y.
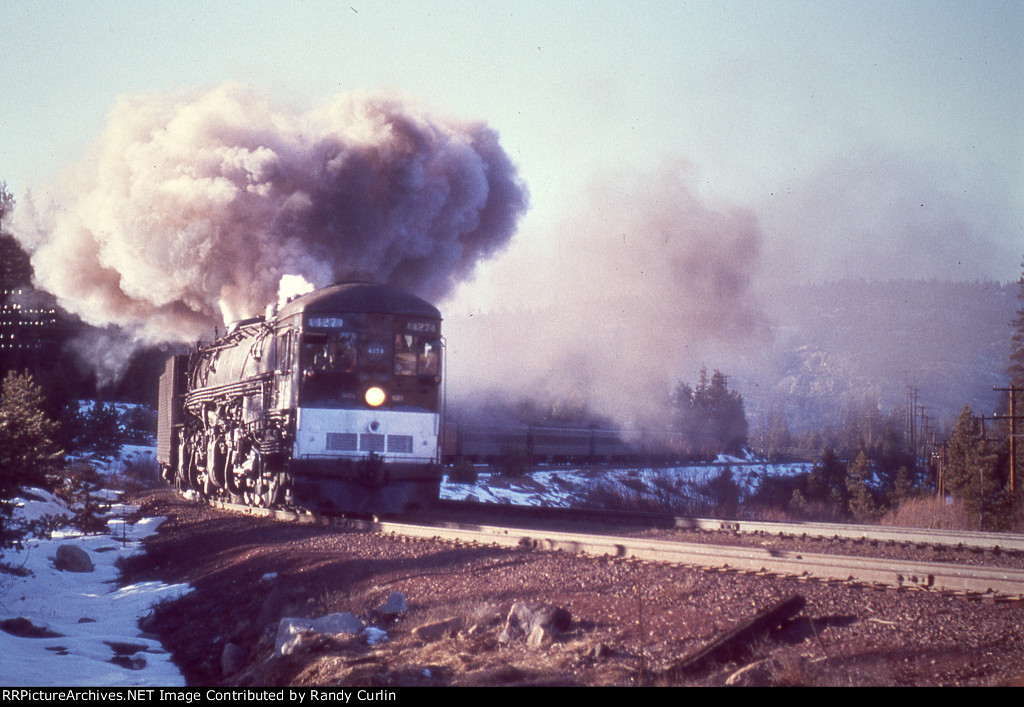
{"type": "Point", "coordinates": [204, 395]}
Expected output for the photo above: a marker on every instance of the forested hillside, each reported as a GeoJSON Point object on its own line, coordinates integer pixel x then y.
{"type": "Point", "coordinates": [841, 343]}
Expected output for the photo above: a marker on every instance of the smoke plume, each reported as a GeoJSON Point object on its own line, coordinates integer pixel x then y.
{"type": "Point", "coordinates": [642, 282]}
{"type": "Point", "coordinates": [193, 206]}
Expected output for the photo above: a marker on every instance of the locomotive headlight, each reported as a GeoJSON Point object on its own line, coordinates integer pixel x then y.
{"type": "Point", "coordinates": [375, 397]}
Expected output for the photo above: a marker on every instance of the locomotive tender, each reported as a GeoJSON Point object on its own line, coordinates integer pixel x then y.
{"type": "Point", "coordinates": [333, 403]}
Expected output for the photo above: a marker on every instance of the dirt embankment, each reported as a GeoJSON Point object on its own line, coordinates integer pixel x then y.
{"type": "Point", "coordinates": [631, 622]}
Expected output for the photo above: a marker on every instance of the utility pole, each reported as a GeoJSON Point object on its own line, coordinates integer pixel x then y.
{"type": "Point", "coordinates": [922, 435]}
{"type": "Point", "coordinates": [910, 419]}
{"type": "Point", "coordinates": [1012, 417]}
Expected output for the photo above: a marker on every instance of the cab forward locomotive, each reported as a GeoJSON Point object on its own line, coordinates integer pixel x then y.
{"type": "Point", "coordinates": [331, 403]}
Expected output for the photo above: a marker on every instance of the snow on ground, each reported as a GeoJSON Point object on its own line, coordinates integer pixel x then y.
{"type": "Point", "coordinates": [89, 624]}
{"type": "Point", "coordinates": [567, 487]}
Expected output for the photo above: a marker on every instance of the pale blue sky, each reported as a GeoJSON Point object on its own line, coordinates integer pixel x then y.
{"type": "Point", "coordinates": [770, 102]}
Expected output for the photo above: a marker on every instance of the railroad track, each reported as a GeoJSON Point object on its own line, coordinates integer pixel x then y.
{"type": "Point", "coordinates": [1005, 542]}
{"type": "Point", "coordinates": [970, 580]}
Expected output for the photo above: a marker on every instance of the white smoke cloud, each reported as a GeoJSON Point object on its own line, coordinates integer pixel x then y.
{"type": "Point", "coordinates": [192, 207]}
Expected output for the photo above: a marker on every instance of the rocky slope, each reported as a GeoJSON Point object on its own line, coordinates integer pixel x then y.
{"type": "Point", "coordinates": [631, 623]}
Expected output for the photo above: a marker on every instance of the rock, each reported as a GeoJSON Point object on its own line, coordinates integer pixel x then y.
{"type": "Point", "coordinates": [540, 637]}
{"type": "Point", "coordinates": [437, 629]}
{"type": "Point", "coordinates": [374, 635]}
{"type": "Point", "coordinates": [294, 633]}
{"type": "Point", "coordinates": [525, 619]}
{"type": "Point", "coordinates": [134, 662]}
{"type": "Point", "coordinates": [71, 558]}
{"type": "Point", "coordinates": [394, 606]}
{"type": "Point", "coordinates": [232, 659]}
{"type": "Point", "coordinates": [342, 622]}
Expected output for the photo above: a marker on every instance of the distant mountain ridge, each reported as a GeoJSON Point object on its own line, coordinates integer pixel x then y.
{"type": "Point", "coordinates": [844, 342]}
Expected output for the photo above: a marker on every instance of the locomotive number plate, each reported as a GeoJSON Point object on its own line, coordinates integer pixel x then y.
{"type": "Point", "coordinates": [326, 322]}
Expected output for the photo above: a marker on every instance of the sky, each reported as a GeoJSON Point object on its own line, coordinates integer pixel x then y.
{"type": "Point", "coordinates": [678, 161]}
{"type": "Point", "coordinates": [761, 99]}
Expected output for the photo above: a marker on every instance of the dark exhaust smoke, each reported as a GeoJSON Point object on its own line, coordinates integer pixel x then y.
{"type": "Point", "coordinates": [192, 207]}
{"type": "Point", "coordinates": [641, 283]}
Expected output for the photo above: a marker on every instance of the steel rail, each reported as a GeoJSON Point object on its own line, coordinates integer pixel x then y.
{"type": "Point", "coordinates": [1009, 542]}
{"type": "Point", "coordinates": [936, 576]}
{"type": "Point", "coordinates": [878, 533]}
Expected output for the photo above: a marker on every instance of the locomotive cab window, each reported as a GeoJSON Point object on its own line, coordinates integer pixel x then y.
{"type": "Point", "coordinates": [417, 356]}
{"type": "Point", "coordinates": [333, 352]}
{"type": "Point", "coordinates": [429, 362]}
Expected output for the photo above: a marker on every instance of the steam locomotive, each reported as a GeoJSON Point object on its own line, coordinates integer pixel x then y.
{"type": "Point", "coordinates": [331, 403]}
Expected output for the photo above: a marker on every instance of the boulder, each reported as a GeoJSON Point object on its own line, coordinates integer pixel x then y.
{"type": "Point", "coordinates": [394, 606]}
{"type": "Point", "coordinates": [537, 624]}
{"type": "Point", "coordinates": [71, 558]}
{"type": "Point", "coordinates": [294, 633]}
{"type": "Point", "coordinates": [342, 622]}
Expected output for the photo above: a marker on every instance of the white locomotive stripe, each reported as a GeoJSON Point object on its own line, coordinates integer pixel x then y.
{"type": "Point", "coordinates": [386, 433]}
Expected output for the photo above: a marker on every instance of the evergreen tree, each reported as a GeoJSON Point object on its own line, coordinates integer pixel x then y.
{"type": "Point", "coordinates": [28, 454]}
{"type": "Point", "coordinates": [711, 416]}
{"type": "Point", "coordinates": [102, 430]}
{"type": "Point", "coordinates": [827, 481]}
{"type": "Point", "coordinates": [973, 473]}
{"type": "Point", "coordinates": [862, 502]}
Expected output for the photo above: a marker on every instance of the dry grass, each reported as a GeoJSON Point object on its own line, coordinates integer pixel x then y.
{"type": "Point", "coordinates": [929, 512]}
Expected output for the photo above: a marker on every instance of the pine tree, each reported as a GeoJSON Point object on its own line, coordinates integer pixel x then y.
{"type": "Point", "coordinates": [711, 417]}
{"type": "Point", "coordinates": [862, 502]}
{"type": "Point", "coordinates": [28, 454]}
{"type": "Point", "coordinates": [973, 473]}
{"type": "Point", "coordinates": [102, 429]}
{"type": "Point", "coordinates": [827, 481]}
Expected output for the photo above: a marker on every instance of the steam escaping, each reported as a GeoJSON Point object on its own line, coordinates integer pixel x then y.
{"type": "Point", "coordinates": [194, 206]}
{"type": "Point", "coordinates": [292, 286]}
{"type": "Point", "coordinates": [642, 283]}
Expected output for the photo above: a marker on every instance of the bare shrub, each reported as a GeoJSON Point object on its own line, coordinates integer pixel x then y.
{"type": "Point", "coordinates": [614, 497]}
{"type": "Point", "coordinates": [80, 487]}
{"type": "Point", "coordinates": [142, 469]}
{"type": "Point", "coordinates": [929, 512]}
{"type": "Point", "coordinates": [766, 513]}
